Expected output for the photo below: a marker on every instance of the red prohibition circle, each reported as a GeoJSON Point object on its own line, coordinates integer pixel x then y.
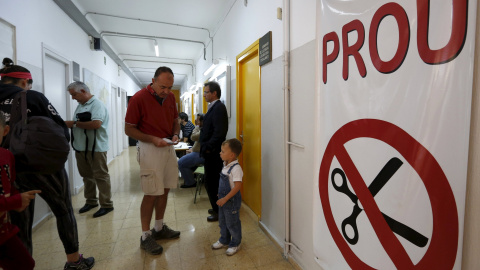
{"type": "Point", "coordinates": [442, 251]}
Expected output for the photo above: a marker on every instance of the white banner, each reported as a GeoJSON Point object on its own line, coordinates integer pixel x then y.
{"type": "Point", "coordinates": [395, 87]}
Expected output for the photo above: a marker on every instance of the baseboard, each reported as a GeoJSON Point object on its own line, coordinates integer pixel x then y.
{"type": "Point", "coordinates": [44, 219]}
{"type": "Point", "coordinates": [278, 243]}
{"type": "Point", "coordinates": [78, 189]}
{"type": "Point", "coordinates": [250, 212]}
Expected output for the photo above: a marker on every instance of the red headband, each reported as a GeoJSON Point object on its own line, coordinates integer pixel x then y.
{"type": "Point", "coordinates": [18, 75]}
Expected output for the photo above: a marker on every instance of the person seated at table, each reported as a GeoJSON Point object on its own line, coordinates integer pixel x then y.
{"type": "Point", "coordinates": [187, 127]}
{"type": "Point", "coordinates": [189, 162]}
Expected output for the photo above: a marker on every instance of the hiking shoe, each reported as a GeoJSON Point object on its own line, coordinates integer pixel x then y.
{"type": "Point", "coordinates": [82, 264]}
{"type": "Point", "coordinates": [232, 250]}
{"type": "Point", "coordinates": [218, 245]}
{"type": "Point", "coordinates": [150, 246]}
{"type": "Point", "coordinates": [165, 233]}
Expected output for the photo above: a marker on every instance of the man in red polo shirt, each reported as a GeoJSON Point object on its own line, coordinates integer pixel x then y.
{"type": "Point", "coordinates": [152, 120]}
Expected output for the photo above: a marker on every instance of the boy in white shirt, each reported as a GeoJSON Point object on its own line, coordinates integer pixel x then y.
{"type": "Point", "coordinates": [229, 198]}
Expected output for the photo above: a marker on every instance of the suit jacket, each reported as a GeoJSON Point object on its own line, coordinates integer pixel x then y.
{"type": "Point", "coordinates": [214, 129]}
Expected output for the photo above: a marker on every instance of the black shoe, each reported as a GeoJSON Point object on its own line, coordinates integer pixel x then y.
{"type": "Point", "coordinates": [102, 212]}
{"type": "Point", "coordinates": [212, 218]}
{"type": "Point", "coordinates": [150, 246]}
{"type": "Point", "coordinates": [165, 233]}
{"type": "Point", "coordinates": [82, 264]}
{"type": "Point", "coordinates": [189, 186]}
{"type": "Point", "coordinates": [210, 211]}
{"type": "Point", "coordinates": [87, 207]}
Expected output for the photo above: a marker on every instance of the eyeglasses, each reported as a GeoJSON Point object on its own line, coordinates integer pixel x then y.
{"type": "Point", "coordinates": [206, 92]}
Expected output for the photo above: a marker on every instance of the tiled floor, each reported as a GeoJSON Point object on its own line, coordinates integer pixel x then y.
{"type": "Point", "coordinates": [114, 238]}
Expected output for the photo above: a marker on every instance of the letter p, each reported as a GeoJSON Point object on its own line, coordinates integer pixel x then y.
{"type": "Point", "coordinates": [329, 58]}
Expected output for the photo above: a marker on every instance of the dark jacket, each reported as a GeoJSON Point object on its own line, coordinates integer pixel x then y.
{"type": "Point", "coordinates": [37, 105]}
{"type": "Point", "coordinates": [214, 129]}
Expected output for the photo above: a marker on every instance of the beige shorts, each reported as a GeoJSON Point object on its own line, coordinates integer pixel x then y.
{"type": "Point", "coordinates": [158, 168]}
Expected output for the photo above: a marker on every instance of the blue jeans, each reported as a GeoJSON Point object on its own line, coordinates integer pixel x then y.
{"type": "Point", "coordinates": [229, 214]}
{"type": "Point", "coordinates": [187, 165]}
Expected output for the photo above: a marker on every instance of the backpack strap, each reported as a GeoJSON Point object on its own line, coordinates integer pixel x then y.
{"type": "Point", "coordinates": [86, 142]}
{"type": "Point", "coordinates": [73, 138]}
{"type": "Point", "coordinates": [16, 115]}
{"type": "Point", "coordinates": [94, 142]}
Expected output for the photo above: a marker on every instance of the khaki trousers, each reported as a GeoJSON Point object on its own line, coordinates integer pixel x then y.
{"type": "Point", "coordinates": [95, 174]}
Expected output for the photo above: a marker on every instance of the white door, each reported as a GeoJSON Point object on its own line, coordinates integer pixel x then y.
{"type": "Point", "coordinates": [124, 112]}
{"type": "Point", "coordinates": [55, 78]}
{"type": "Point", "coordinates": [112, 152]}
{"type": "Point", "coordinates": [118, 113]}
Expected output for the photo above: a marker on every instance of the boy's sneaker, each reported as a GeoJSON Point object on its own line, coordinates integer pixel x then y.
{"type": "Point", "coordinates": [150, 246]}
{"type": "Point", "coordinates": [82, 264]}
{"type": "Point", "coordinates": [232, 250]}
{"type": "Point", "coordinates": [218, 245]}
{"type": "Point", "coordinates": [165, 233]}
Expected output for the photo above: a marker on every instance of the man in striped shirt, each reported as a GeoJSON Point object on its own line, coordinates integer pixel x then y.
{"type": "Point", "coordinates": [187, 127]}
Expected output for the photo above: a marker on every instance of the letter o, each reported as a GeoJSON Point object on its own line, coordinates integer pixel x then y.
{"type": "Point", "coordinates": [400, 16]}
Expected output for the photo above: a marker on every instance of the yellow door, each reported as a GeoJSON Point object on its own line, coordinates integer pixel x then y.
{"type": "Point", "coordinates": [249, 126]}
{"type": "Point", "coordinates": [193, 110]}
{"type": "Point", "coordinates": [176, 93]}
{"type": "Point", "coordinates": [204, 103]}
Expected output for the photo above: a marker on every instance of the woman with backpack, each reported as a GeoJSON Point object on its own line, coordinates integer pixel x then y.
{"type": "Point", "coordinates": [54, 186]}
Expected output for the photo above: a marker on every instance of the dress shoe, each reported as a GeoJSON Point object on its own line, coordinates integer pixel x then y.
{"type": "Point", "coordinates": [102, 212]}
{"type": "Point", "coordinates": [189, 186]}
{"type": "Point", "coordinates": [210, 211]}
{"type": "Point", "coordinates": [87, 207]}
{"type": "Point", "coordinates": [212, 218]}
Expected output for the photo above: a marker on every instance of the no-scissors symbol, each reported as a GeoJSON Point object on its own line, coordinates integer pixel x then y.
{"type": "Point", "coordinates": [443, 242]}
{"type": "Point", "coordinates": [382, 178]}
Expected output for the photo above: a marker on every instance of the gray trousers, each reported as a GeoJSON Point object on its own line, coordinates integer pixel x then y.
{"type": "Point", "coordinates": [95, 174]}
{"type": "Point", "coordinates": [56, 192]}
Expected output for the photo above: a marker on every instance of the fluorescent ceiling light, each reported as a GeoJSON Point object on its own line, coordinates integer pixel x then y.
{"type": "Point", "coordinates": [156, 47]}
{"type": "Point", "coordinates": [210, 69]}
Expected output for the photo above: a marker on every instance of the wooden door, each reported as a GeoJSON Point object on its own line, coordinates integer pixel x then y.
{"type": "Point", "coordinates": [249, 126]}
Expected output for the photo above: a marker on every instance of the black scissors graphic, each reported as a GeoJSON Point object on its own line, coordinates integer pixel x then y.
{"type": "Point", "coordinates": [380, 180]}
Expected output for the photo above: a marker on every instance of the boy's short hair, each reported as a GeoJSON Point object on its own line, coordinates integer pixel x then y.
{"type": "Point", "coordinates": [235, 145]}
{"type": "Point", "coordinates": [3, 121]}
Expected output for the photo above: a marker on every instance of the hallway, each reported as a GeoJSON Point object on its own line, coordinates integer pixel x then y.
{"type": "Point", "coordinates": [114, 239]}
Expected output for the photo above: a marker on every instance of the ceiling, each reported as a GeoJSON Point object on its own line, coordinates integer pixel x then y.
{"type": "Point", "coordinates": [182, 29]}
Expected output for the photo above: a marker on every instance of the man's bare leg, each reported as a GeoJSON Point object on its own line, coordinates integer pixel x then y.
{"type": "Point", "coordinates": [146, 211]}
{"type": "Point", "coordinates": [161, 205]}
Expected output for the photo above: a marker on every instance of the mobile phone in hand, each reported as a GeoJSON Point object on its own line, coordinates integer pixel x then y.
{"type": "Point", "coordinates": [168, 141]}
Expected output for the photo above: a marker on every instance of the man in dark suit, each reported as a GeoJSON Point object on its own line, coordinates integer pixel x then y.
{"type": "Point", "coordinates": [214, 132]}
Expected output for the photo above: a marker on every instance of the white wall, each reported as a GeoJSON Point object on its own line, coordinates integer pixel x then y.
{"type": "Point", "coordinates": [44, 21]}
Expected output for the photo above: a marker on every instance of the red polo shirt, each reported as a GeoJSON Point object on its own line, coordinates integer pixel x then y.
{"type": "Point", "coordinates": [146, 113]}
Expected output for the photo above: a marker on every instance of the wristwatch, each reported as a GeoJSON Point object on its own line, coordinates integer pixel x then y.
{"type": "Point", "coordinates": [175, 135]}
{"type": "Point", "coordinates": [74, 123]}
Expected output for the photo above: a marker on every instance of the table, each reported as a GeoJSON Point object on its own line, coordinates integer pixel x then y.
{"type": "Point", "coordinates": [181, 148]}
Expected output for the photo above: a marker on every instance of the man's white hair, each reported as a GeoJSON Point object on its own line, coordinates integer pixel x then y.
{"type": "Point", "coordinates": [77, 86]}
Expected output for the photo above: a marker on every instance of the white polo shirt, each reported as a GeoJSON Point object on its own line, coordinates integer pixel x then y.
{"type": "Point", "coordinates": [235, 175]}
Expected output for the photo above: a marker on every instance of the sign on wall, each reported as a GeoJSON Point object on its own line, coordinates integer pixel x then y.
{"type": "Point", "coordinates": [395, 96]}
{"type": "Point", "coordinates": [265, 52]}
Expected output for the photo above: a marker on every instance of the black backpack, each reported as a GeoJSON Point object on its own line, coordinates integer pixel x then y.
{"type": "Point", "coordinates": [37, 142]}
